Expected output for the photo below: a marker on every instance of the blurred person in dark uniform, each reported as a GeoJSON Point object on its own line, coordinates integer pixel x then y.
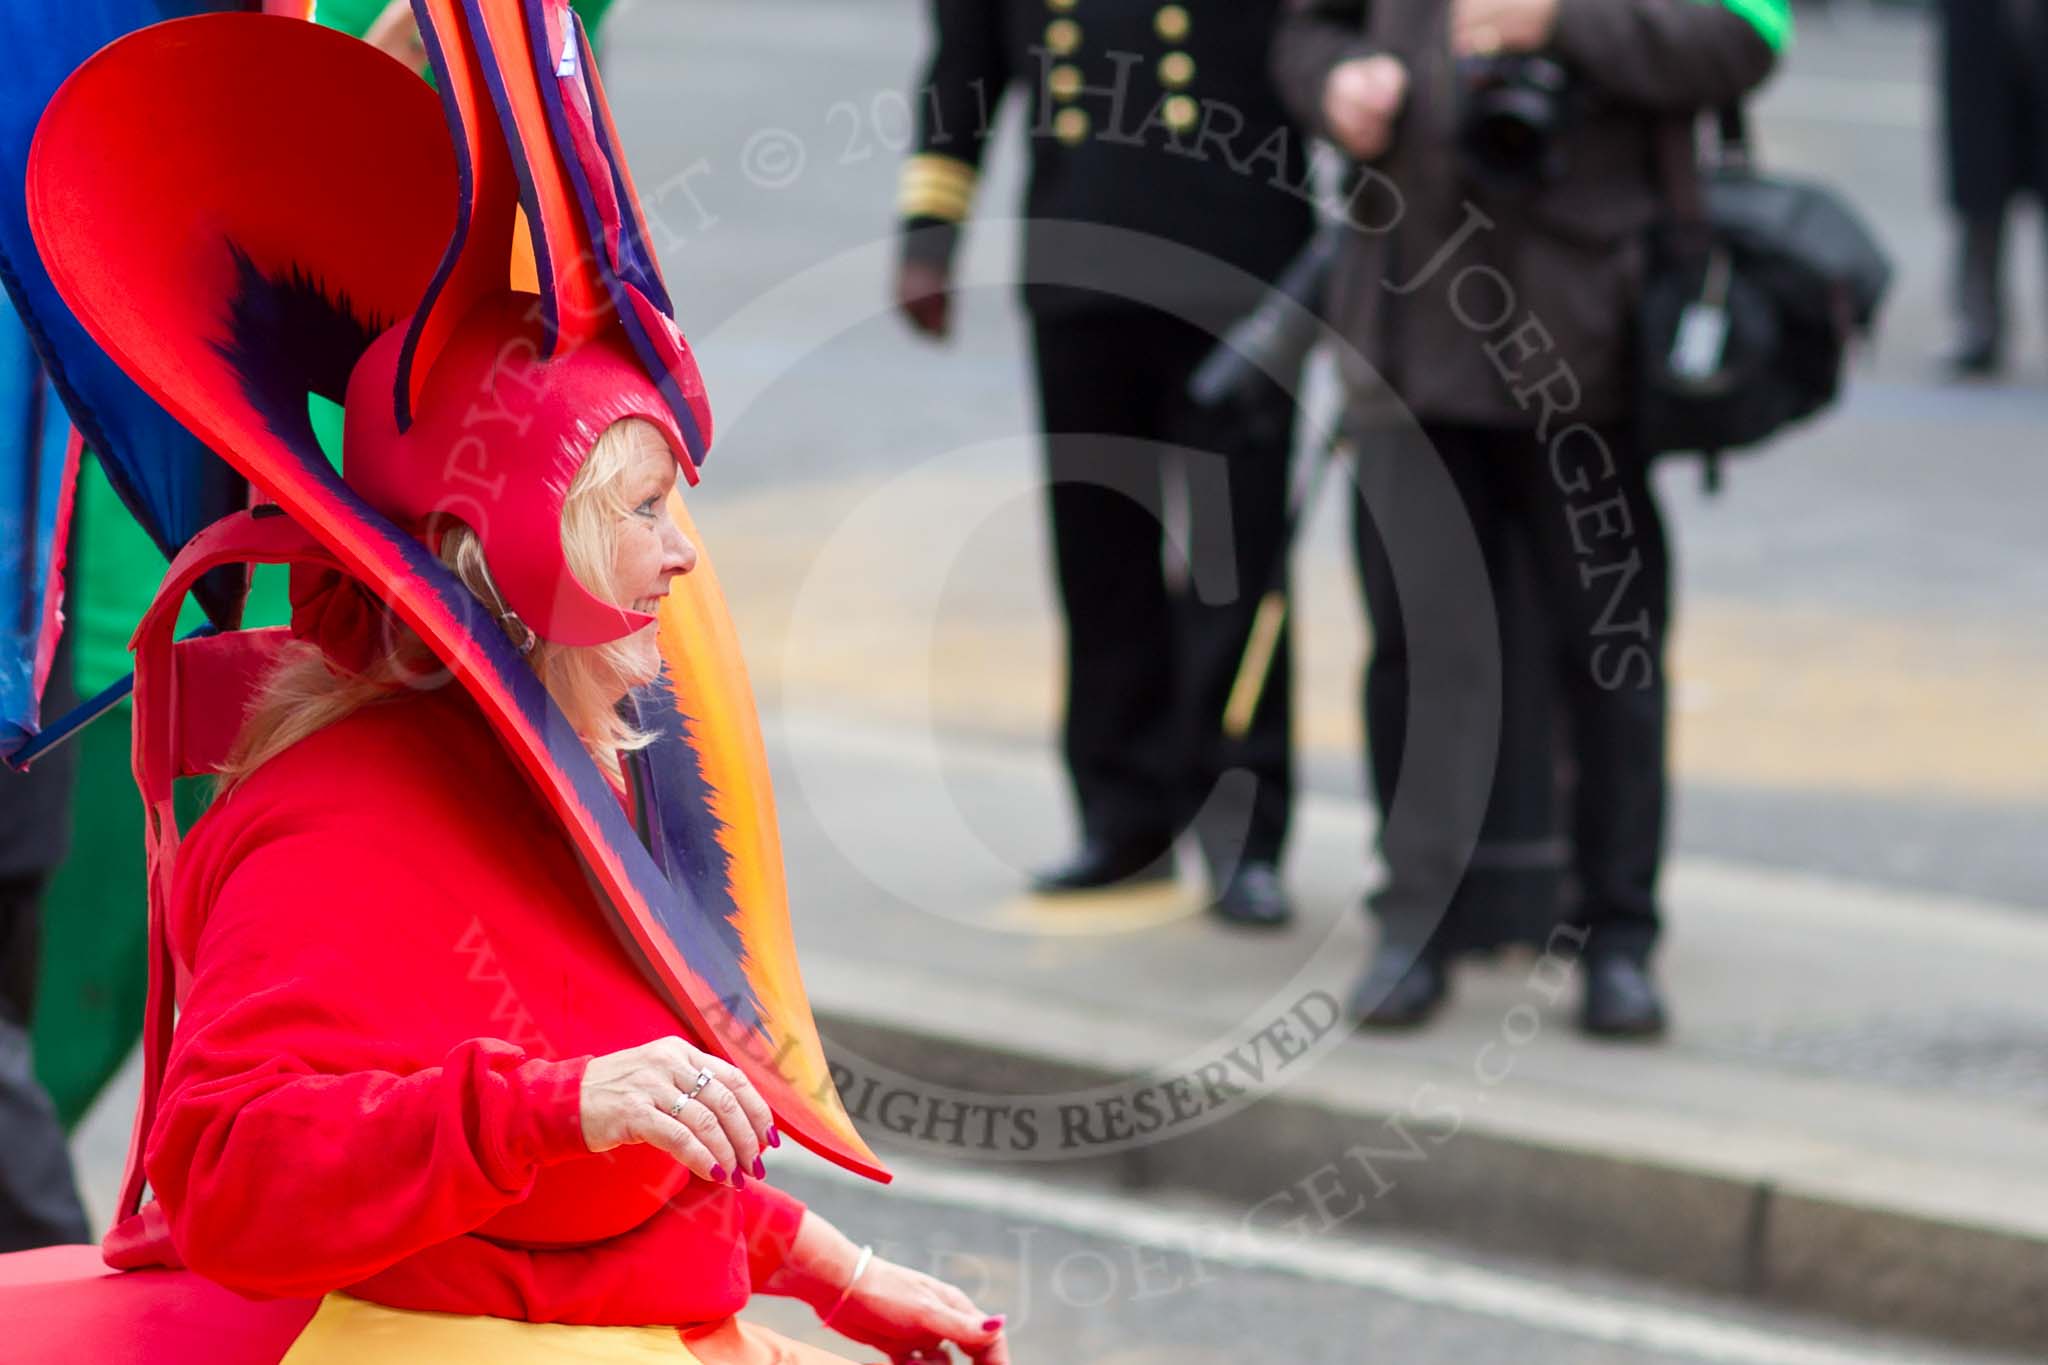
{"type": "Point", "coordinates": [1510, 150]}
{"type": "Point", "coordinates": [1994, 77]}
{"type": "Point", "coordinates": [38, 1198]}
{"type": "Point", "coordinates": [1167, 187]}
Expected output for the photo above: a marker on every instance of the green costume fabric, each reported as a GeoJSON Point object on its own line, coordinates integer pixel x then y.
{"type": "Point", "coordinates": [355, 16]}
{"type": "Point", "coordinates": [352, 17]}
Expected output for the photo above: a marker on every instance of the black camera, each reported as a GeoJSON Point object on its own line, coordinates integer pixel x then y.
{"type": "Point", "coordinates": [1513, 115]}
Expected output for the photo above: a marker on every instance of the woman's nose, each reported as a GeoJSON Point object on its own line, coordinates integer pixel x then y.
{"type": "Point", "coordinates": [679, 556]}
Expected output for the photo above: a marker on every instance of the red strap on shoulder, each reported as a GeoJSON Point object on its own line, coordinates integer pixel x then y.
{"type": "Point", "coordinates": [167, 724]}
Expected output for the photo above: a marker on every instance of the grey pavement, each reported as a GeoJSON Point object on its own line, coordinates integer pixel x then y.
{"type": "Point", "coordinates": [1849, 1114]}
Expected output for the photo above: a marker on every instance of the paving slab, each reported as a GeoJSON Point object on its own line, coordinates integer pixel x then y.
{"type": "Point", "coordinates": [1847, 1116]}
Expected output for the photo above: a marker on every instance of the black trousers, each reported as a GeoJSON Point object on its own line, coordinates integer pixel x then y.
{"type": "Point", "coordinates": [38, 1199]}
{"type": "Point", "coordinates": [1574, 536]}
{"type": "Point", "coordinates": [1994, 94]}
{"type": "Point", "coordinates": [1152, 654]}
{"type": "Point", "coordinates": [1512, 887]}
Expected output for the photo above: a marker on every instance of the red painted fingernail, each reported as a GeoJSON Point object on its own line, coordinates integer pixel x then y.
{"type": "Point", "coordinates": [739, 1180]}
{"type": "Point", "coordinates": [717, 1174]}
{"type": "Point", "coordinates": [774, 1136]}
{"type": "Point", "coordinates": [760, 1171]}
{"type": "Point", "coordinates": [994, 1324]}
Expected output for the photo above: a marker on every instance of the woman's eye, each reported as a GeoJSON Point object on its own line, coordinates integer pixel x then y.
{"type": "Point", "coordinates": [648, 508]}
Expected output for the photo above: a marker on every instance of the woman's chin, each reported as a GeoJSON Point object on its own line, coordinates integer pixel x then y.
{"type": "Point", "coordinates": [643, 662]}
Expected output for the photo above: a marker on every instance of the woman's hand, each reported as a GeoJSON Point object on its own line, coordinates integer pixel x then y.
{"type": "Point", "coordinates": [909, 1315]}
{"type": "Point", "coordinates": [638, 1096]}
{"type": "Point", "coordinates": [912, 1316]}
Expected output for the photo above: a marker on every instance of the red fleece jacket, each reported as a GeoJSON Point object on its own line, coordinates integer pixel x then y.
{"type": "Point", "coordinates": [399, 972]}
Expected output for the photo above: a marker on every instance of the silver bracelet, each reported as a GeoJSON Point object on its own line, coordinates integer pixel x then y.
{"type": "Point", "coordinates": [860, 1268]}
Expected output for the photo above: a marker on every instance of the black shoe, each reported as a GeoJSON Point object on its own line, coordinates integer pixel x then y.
{"type": "Point", "coordinates": [1972, 356]}
{"type": "Point", "coordinates": [1099, 866]}
{"type": "Point", "coordinates": [1254, 898]}
{"type": "Point", "coordinates": [1621, 999]}
{"type": "Point", "coordinates": [1400, 989]}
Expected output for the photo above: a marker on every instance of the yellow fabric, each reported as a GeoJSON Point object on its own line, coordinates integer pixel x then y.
{"type": "Point", "coordinates": [734, 1342]}
{"type": "Point", "coordinates": [347, 1331]}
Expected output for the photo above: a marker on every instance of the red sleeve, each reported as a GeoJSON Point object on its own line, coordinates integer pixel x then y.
{"type": "Point", "coordinates": [771, 1219]}
{"type": "Point", "coordinates": [287, 1165]}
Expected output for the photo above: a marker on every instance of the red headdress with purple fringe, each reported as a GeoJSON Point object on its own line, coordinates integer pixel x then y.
{"type": "Point", "coordinates": [259, 219]}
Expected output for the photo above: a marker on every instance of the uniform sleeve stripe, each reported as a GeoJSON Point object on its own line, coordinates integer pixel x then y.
{"type": "Point", "coordinates": [935, 186]}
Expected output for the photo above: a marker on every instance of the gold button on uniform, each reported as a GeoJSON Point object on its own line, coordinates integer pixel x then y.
{"type": "Point", "coordinates": [1171, 22]}
{"type": "Point", "coordinates": [1062, 36]}
{"type": "Point", "coordinates": [1064, 82]}
{"type": "Point", "coordinates": [1062, 6]}
{"type": "Point", "coordinates": [1176, 69]}
{"type": "Point", "coordinates": [1181, 112]}
{"type": "Point", "coordinates": [1071, 126]}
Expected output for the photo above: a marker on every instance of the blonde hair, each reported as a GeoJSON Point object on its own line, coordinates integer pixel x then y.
{"type": "Point", "coordinates": [305, 692]}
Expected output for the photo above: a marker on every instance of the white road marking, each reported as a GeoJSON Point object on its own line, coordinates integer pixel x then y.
{"type": "Point", "coordinates": [1412, 1275]}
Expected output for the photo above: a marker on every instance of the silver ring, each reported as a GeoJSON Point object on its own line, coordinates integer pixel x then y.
{"type": "Point", "coordinates": [676, 1110]}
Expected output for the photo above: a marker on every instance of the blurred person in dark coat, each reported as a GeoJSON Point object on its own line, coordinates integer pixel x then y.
{"type": "Point", "coordinates": [1488, 291]}
{"type": "Point", "coordinates": [1994, 82]}
{"type": "Point", "coordinates": [1168, 186]}
{"type": "Point", "coordinates": [38, 1199]}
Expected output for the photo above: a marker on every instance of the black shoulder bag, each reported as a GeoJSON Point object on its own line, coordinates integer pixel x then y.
{"type": "Point", "coordinates": [1757, 285]}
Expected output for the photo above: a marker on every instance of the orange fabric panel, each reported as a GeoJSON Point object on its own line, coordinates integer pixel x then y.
{"type": "Point", "coordinates": [708, 673]}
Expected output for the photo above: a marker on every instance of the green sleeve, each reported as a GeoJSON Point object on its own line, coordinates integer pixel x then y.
{"type": "Point", "coordinates": [1772, 19]}
{"type": "Point", "coordinates": [352, 17]}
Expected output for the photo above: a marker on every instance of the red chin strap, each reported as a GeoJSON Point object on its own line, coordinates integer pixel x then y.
{"type": "Point", "coordinates": [499, 436]}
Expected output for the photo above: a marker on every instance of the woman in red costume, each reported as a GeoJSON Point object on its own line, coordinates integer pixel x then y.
{"type": "Point", "coordinates": [407, 1104]}
{"type": "Point", "coordinates": [487, 1017]}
